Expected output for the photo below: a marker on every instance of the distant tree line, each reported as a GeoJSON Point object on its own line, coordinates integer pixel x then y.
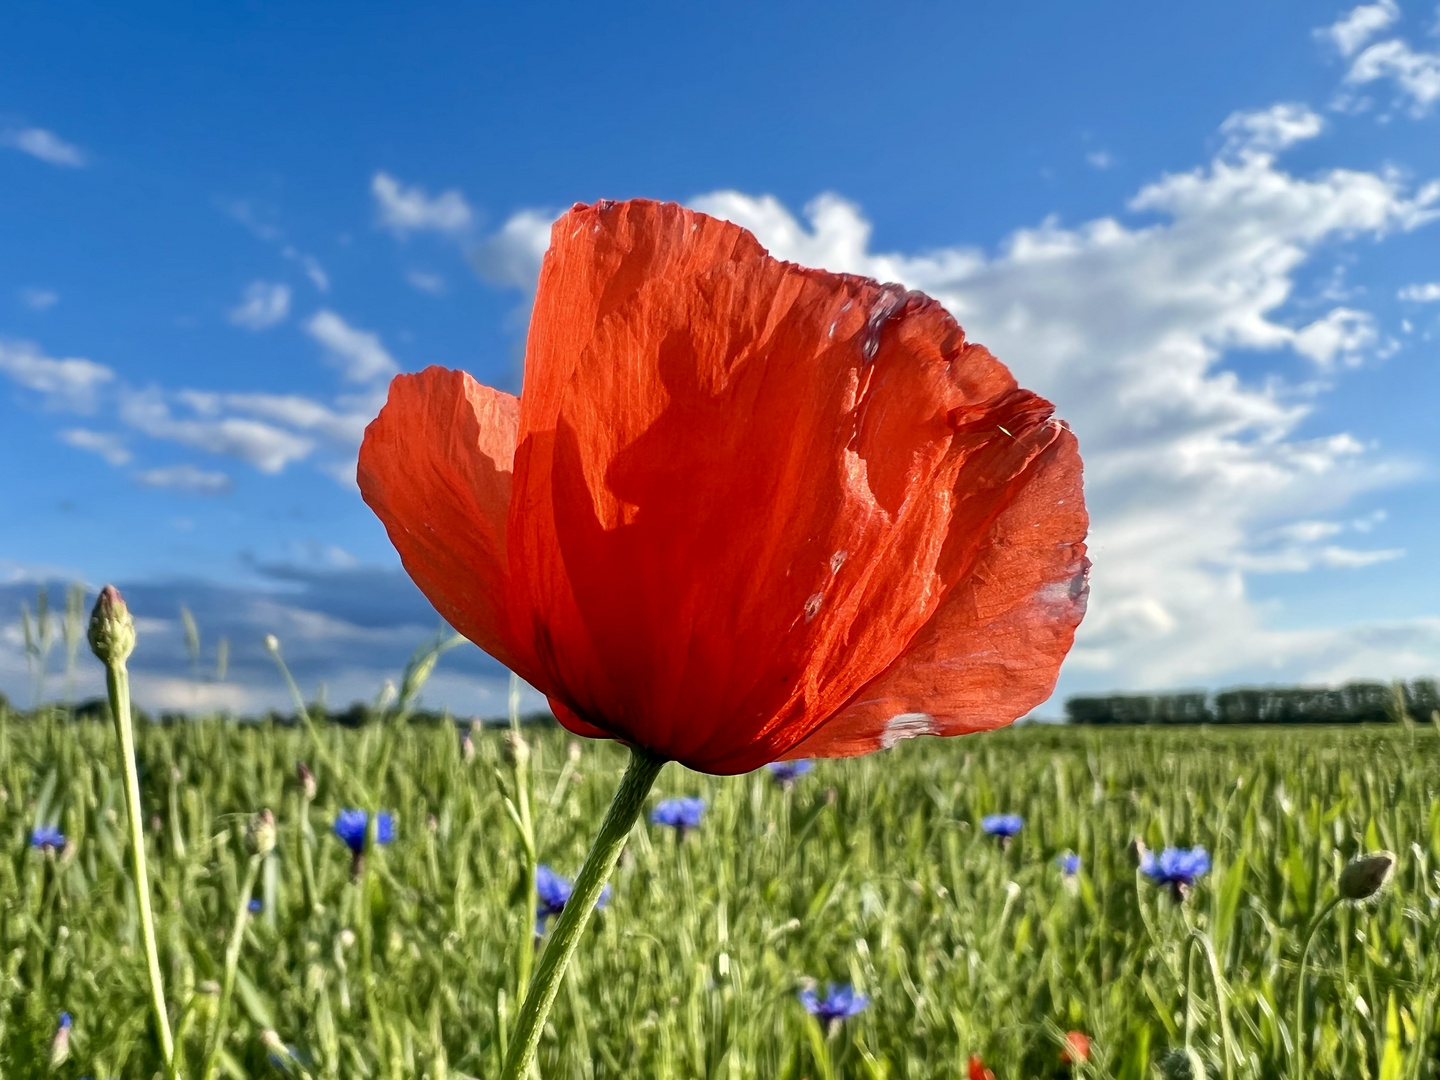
{"type": "Point", "coordinates": [1353, 703]}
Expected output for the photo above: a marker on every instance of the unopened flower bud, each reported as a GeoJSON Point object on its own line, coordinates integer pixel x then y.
{"type": "Point", "coordinates": [272, 644]}
{"type": "Point", "coordinates": [515, 750]}
{"type": "Point", "coordinates": [112, 630]}
{"type": "Point", "coordinates": [307, 780]}
{"type": "Point", "coordinates": [60, 1046]}
{"type": "Point", "coordinates": [1365, 876]}
{"type": "Point", "coordinates": [260, 833]}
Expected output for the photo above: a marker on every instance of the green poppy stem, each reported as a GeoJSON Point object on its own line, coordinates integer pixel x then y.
{"type": "Point", "coordinates": [117, 682]}
{"type": "Point", "coordinates": [1298, 1062]}
{"type": "Point", "coordinates": [624, 810]}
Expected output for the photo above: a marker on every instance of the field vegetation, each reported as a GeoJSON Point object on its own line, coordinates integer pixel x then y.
{"type": "Point", "coordinates": [871, 872]}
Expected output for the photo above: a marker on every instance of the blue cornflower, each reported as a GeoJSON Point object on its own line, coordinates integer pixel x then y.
{"type": "Point", "coordinates": [1003, 826]}
{"type": "Point", "coordinates": [552, 892]}
{"type": "Point", "coordinates": [1176, 867]}
{"type": "Point", "coordinates": [785, 773]}
{"type": "Point", "coordinates": [47, 838]}
{"type": "Point", "coordinates": [255, 906]}
{"type": "Point", "coordinates": [839, 1002]}
{"type": "Point", "coordinates": [350, 827]}
{"type": "Point", "coordinates": [1069, 864]}
{"type": "Point", "coordinates": [679, 814]}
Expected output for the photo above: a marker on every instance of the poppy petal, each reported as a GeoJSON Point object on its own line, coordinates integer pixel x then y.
{"type": "Point", "coordinates": [992, 650]}
{"type": "Point", "coordinates": [435, 466]}
{"type": "Point", "coordinates": [742, 488]}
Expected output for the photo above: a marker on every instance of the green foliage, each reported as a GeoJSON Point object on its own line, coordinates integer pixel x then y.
{"type": "Point", "coordinates": [869, 871]}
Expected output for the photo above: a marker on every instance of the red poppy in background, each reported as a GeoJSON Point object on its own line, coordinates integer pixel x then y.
{"type": "Point", "coordinates": [1077, 1048]}
{"type": "Point", "coordinates": [977, 1069]}
{"type": "Point", "coordinates": [743, 510]}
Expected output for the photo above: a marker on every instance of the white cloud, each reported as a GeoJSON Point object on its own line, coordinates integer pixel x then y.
{"type": "Point", "coordinates": [110, 447]}
{"type": "Point", "coordinates": [39, 299]}
{"type": "Point", "coordinates": [409, 209]}
{"type": "Point", "coordinates": [424, 282]}
{"type": "Point", "coordinates": [45, 145]}
{"type": "Point", "coordinates": [1343, 334]}
{"type": "Point", "coordinates": [1100, 159]}
{"type": "Point", "coordinates": [267, 447]}
{"type": "Point", "coordinates": [247, 215]}
{"type": "Point", "coordinates": [186, 478]}
{"type": "Point", "coordinates": [1423, 294]}
{"type": "Point", "coordinates": [1268, 131]}
{"type": "Point", "coordinates": [71, 384]}
{"type": "Point", "coordinates": [1126, 325]}
{"type": "Point", "coordinates": [358, 353]}
{"type": "Point", "coordinates": [1355, 28]}
{"type": "Point", "coordinates": [263, 304]}
{"type": "Point", "coordinates": [1415, 74]}
{"type": "Point", "coordinates": [511, 257]}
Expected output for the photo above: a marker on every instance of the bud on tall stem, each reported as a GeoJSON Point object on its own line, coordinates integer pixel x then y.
{"type": "Point", "coordinates": [112, 638]}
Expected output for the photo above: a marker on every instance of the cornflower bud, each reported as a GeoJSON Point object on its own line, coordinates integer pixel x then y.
{"type": "Point", "coordinates": [112, 630]}
{"type": "Point", "coordinates": [1366, 875]}
{"type": "Point", "coordinates": [260, 833]}
{"type": "Point", "coordinates": [307, 780]}
{"type": "Point", "coordinates": [60, 1045]}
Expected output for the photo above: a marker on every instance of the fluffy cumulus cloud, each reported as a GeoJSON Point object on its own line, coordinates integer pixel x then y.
{"type": "Point", "coordinates": [404, 210]}
{"type": "Point", "coordinates": [264, 304]}
{"type": "Point", "coordinates": [1414, 73]}
{"type": "Point", "coordinates": [45, 145]}
{"type": "Point", "coordinates": [1197, 478]}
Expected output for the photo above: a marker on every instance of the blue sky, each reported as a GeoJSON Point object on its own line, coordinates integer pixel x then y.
{"type": "Point", "coordinates": [1210, 233]}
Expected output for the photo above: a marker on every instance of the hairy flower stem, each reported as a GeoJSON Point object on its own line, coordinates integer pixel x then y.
{"type": "Point", "coordinates": [232, 962]}
{"type": "Point", "coordinates": [525, 825]}
{"type": "Point", "coordinates": [1297, 1070]}
{"type": "Point", "coordinates": [117, 682]}
{"type": "Point", "coordinates": [624, 810]}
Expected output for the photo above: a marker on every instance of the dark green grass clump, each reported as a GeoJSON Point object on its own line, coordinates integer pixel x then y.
{"type": "Point", "coordinates": [872, 872]}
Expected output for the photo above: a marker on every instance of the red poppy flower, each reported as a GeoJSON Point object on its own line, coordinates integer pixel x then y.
{"type": "Point", "coordinates": [977, 1069]}
{"type": "Point", "coordinates": [743, 510]}
{"type": "Point", "coordinates": [1077, 1048]}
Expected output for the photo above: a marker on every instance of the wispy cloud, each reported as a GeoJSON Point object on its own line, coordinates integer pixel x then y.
{"type": "Point", "coordinates": [45, 145]}
{"type": "Point", "coordinates": [264, 304]}
{"type": "Point", "coordinates": [245, 212]}
{"type": "Point", "coordinates": [1269, 131]}
{"type": "Point", "coordinates": [425, 282]}
{"type": "Point", "coordinates": [1353, 29]}
{"type": "Point", "coordinates": [404, 210]}
{"type": "Point", "coordinates": [70, 385]}
{"type": "Point", "coordinates": [1414, 73]}
{"type": "Point", "coordinates": [357, 353]}
{"type": "Point", "coordinates": [187, 478]}
{"type": "Point", "coordinates": [1429, 292]}
{"type": "Point", "coordinates": [265, 446]}
{"type": "Point", "coordinates": [39, 299]}
{"type": "Point", "coordinates": [109, 446]}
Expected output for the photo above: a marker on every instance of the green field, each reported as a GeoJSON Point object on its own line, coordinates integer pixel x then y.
{"type": "Point", "coordinates": [869, 871]}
